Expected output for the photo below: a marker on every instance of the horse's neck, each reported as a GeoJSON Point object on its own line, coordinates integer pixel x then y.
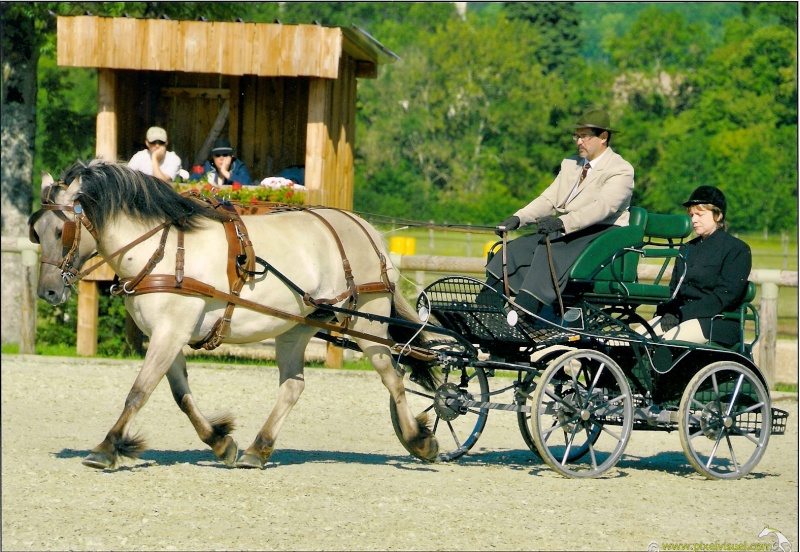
{"type": "Point", "coordinates": [120, 233]}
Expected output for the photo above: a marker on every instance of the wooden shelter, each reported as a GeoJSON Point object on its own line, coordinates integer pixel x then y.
{"type": "Point", "coordinates": [285, 95]}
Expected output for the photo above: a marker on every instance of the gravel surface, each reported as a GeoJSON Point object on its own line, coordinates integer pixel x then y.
{"type": "Point", "coordinates": [340, 480]}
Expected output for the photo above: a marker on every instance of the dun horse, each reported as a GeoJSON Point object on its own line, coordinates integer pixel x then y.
{"type": "Point", "coordinates": [191, 286]}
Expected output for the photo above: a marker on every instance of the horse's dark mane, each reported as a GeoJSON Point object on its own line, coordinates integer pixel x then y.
{"type": "Point", "coordinates": [108, 189]}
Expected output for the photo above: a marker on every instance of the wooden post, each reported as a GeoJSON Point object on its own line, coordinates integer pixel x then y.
{"type": "Point", "coordinates": [106, 147]}
{"type": "Point", "coordinates": [106, 134]}
{"type": "Point", "coordinates": [768, 314]}
{"type": "Point", "coordinates": [316, 139]}
{"type": "Point", "coordinates": [88, 304]}
{"type": "Point", "coordinates": [30, 263]}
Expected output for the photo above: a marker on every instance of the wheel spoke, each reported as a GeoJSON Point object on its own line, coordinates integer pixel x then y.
{"type": "Point", "coordinates": [596, 379]}
{"type": "Point", "coordinates": [559, 400]}
{"type": "Point", "coordinates": [419, 393]}
{"type": "Point", "coordinates": [454, 435]}
{"type": "Point", "coordinates": [549, 430]}
{"type": "Point", "coordinates": [745, 434]}
{"type": "Point", "coordinates": [568, 443]}
{"type": "Point", "coordinates": [716, 392]}
{"type": "Point", "coordinates": [714, 450]}
{"type": "Point", "coordinates": [735, 394]}
{"type": "Point", "coordinates": [733, 454]}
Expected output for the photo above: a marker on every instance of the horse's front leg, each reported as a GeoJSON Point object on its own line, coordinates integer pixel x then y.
{"type": "Point", "coordinates": [214, 432]}
{"type": "Point", "coordinates": [290, 350]}
{"type": "Point", "coordinates": [118, 443]}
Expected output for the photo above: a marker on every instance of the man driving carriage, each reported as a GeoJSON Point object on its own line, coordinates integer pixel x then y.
{"type": "Point", "coordinates": [590, 195]}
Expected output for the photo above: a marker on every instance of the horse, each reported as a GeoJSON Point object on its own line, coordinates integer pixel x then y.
{"type": "Point", "coordinates": [316, 262]}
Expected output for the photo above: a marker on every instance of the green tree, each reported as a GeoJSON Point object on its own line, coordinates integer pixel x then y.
{"type": "Point", "coordinates": [556, 24]}
{"type": "Point", "coordinates": [470, 114]}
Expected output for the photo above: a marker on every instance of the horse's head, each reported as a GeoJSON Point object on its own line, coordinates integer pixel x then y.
{"type": "Point", "coordinates": [65, 248]}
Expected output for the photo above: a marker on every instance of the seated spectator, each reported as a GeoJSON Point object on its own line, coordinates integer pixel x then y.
{"type": "Point", "coordinates": [155, 160]}
{"type": "Point", "coordinates": [222, 167]}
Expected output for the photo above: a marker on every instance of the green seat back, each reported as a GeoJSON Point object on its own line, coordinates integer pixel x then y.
{"type": "Point", "coordinates": [667, 226]}
{"type": "Point", "coordinates": [604, 247]}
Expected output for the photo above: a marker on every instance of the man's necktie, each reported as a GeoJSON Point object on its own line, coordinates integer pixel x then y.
{"type": "Point", "coordinates": [585, 170]}
{"type": "Point", "coordinates": [574, 191]}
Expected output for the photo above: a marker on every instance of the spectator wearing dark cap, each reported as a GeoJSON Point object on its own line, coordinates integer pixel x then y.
{"type": "Point", "coordinates": [155, 160]}
{"type": "Point", "coordinates": [709, 279]}
{"type": "Point", "coordinates": [222, 166]}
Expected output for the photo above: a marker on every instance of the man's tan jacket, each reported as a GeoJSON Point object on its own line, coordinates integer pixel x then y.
{"type": "Point", "coordinates": [602, 198]}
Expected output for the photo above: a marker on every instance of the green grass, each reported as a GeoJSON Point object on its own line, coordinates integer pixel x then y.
{"type": "Point", "coordinates": [786, 387]}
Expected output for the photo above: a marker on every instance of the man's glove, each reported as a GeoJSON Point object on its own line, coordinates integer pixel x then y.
{"type": "Point", "coordinates": [548, 225]}
{"type": "Point", "coordinates": [511, 223]}
{"type": "Point", "coordinates": [669, 321]}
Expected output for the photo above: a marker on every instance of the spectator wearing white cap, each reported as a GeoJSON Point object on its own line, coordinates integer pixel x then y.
{"type": "Point", "coordinates": [155, 160]}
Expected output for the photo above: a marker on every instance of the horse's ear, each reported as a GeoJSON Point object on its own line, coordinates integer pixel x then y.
{"type": "Point", "coordinates": [47, 180]}
{"type": "Point", "coordinates": [73, 190]}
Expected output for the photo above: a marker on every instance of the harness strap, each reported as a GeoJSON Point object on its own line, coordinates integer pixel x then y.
{"type": "Point", "coordinates": [157, 255]}
{"type": "Point", "coordinates": [180, 259]}
{"type": "Point", "coordinates": [165, 283]}
{"type": "Point", "coordinates": [118, 252]}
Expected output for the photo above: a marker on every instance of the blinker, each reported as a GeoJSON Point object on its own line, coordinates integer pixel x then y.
{"type": "Point", "coordinates": [68, 233]}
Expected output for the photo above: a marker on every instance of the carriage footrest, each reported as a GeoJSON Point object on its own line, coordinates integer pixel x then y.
{"type": "Point", "coordinates": [779, 418]}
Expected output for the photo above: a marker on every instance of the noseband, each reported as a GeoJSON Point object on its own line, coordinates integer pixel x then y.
{"type": "Point", "coordinates": [70, 234]}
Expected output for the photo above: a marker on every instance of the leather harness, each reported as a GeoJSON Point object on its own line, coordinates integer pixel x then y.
{"type": "Point", "coordinates": [241, 264]}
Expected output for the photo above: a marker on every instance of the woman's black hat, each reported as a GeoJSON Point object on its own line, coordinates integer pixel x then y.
{"type": "Point", "coordinates": [708, 195]}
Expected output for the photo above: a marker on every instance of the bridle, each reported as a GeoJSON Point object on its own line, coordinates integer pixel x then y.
{"type": "Point", "coordinates": [70, 233]}
{"type": "Point", "coordinates": [71, 236]}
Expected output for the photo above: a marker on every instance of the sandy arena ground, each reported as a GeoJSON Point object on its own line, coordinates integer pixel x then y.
{"type": "Point", "coordinates": [340, 480]}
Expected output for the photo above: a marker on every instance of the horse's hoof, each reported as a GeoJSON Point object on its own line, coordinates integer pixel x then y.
{"type": "Point", "coordinates": [250, 461]}
{"type": "Point", "coordinates": [230, 453]}
{"type": "Point", "coordinates": [98, 461]}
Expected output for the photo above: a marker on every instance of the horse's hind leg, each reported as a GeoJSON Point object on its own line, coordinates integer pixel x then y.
{"type": "Point", "coordinates": [290, 356]}
{"type": "Point", "coordinates": [418, 437]}
{"type": "Point", "coordinates": [214, 432]}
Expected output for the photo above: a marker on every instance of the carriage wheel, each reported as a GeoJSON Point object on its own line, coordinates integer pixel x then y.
{"type": "Point", "coordinates": [526, 389]}
{"type": "Point", "coordinates": [583, 414]}
{"type": "Point", "coordinates": [456, 424]}
{"type": "Point", "coordinates": [725, 420]}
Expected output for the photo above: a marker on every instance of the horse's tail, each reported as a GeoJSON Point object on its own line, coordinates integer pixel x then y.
{"type": "Point", "coordinates": [422, 372]}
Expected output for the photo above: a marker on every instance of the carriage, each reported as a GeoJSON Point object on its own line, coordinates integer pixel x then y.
{"type": "Point", "coordinates": [579, 386]}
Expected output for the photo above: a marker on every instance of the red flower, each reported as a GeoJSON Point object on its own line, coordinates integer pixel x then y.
{"type": "Point", "coordinates": [253, 199]}
{"type": "Point", "coordinates": [289, 194]}
{"type": "Point", "coordinates": [207, 187]}
{"type": "Point", "coordinates": [198, 169]}
{"type": "Point", "coordinates": [236, 186]}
